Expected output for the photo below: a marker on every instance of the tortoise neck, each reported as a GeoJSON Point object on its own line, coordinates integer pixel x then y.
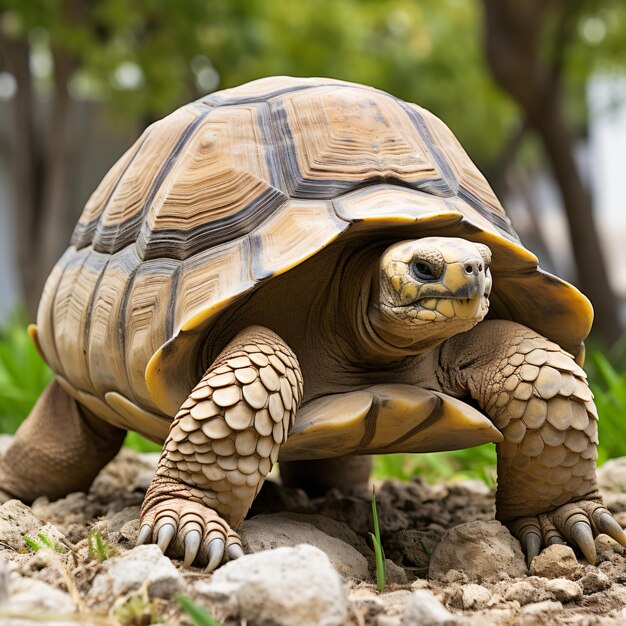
{"type": "Point", "coordinates": [361, 341]}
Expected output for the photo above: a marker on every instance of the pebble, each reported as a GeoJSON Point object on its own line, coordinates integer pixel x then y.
{"type": "Point", "coordinates": [527, 592]}
{"type": "Point", "coordinates": [423, 609]}
{"type": "Point", "coordinates": [16, 521]}
{"type": "Point", "coordinates": [594, 581]}
{"type": "Point", "coordinates": [474, 597]}
{"type": "Point", "coordinates": [285, 586]}
{"type": "Point", "coordinates": [474, 548]}
{"type": "Point", "coordinates": [266, 532]}
{"type": "Point", "coordinates": [556, 561]}
{"type": "Point", "coordinates": [123, 574]}
{"type": "Point", "coordinates": [32, 597]}
{"type": "Point", "coordinates": [564, 590]}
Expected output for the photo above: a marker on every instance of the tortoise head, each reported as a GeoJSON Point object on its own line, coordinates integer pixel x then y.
{"type": "Point", "coordinates": [427, 290]}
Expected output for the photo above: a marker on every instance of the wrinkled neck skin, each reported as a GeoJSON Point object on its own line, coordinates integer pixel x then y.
{"type": "Point", "coordinates": [364, 338]}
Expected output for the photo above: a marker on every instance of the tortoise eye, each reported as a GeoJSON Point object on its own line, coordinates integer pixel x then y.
{"type": "Point", "coordinates": [423, 271]}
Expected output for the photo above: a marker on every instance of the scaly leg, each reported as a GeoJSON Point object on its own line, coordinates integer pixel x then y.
{"type": "Point", "coordinates": [221, 446]}
{"type": "Point", "coordinates": [58, 449]}
{"type": "Point", "coordinates": [538, 397]}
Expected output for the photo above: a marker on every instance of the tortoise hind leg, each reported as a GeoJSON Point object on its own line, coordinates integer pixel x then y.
{"type": "Point", "coordinates": [58, 449]}
{"type": "Point", "coordinates": [221, 446]}
{"type": "Point", "coordinates": [318, 476]}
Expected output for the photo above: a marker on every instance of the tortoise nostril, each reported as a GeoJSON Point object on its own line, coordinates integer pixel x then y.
{"type": "Point", "coordinates": [480, 267]}
{"type": "Point", "coordinates": [469, 268]}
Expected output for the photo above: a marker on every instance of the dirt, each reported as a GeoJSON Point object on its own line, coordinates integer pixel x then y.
{"type": "Point", "coordinates": [414, 517]}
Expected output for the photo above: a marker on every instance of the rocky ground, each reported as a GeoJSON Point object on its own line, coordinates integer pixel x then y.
{"type": "Point", "coordinates": [312, 563]}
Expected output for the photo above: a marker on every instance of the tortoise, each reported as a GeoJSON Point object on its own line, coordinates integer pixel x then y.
{"type": "Point", "coordinates": [309, 271]}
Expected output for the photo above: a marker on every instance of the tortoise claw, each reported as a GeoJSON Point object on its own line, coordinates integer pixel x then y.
{"type": "Point", "coordinates": [192, 544]}
{"type": "Point", "coordinates": [556, 540]}
{"type": "Point", "coordinates": [144, 534]}
{"type": "Point", "coordinates": [532, 546]}
{"type": "Point", "coordinates": [235, 551]}
{"type": "Point", "coordinates": [165, 536]}
{"type": "Point", "coordinates": [582, 535]}
{"type": "Point", "coordinates": [216, 552]}
{"type": "Point", "coordinates": [607, 525]}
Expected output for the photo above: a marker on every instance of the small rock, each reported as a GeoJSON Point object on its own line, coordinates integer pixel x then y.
{"type": "Point", "coordinates": [5, 572]}
{"type": "Point", "coordinates": [594, 581]}
{"type": "Point", "coordinates": [423, 609]}
{"type": "Point", "coordinates": [556, 561]}
{"type": "Point", "coordinates": [265, 532]}
{"type": "Point", "coordinates": [480, 549]}
{"type": "Point", "coordinates": [129, 532]}
{"type": "Point", "coordinates": [394, 574]}
{"type": "Point", "coordinates": [527, 592]}
{"type": "Point", "coordinates": [16, 521]}
{"type": "Point", "coordinates": [412, 548]}
{"type": "Point", "coordinates": [31, 596]}
{"type": "Point", "coordinates": [285, 586]}
{"type": "Point", "coordinates": [334, 528]}
{"type": "Point", "coordinates": [388, 620]}
{"type": "Point", "coordinates": [615, 501]}
{"type": "Point", "coordinates": [547, 606]}
{"type": "Point", "coordinates": [474, 597]}
{"type": "Point", "coordinates": [564, 590]}
{"type": "Point", "coordinates": [123, 574]}
{"type": "Point", "coordinates": [117, 521]}
{"type": "Point", "coordinates": [612, 475]}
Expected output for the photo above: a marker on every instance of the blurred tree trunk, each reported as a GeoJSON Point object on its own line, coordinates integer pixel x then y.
{"type": "Point", "coordinates": [514, 40]}
{"type": "Point", "coordinates": [42, 160]}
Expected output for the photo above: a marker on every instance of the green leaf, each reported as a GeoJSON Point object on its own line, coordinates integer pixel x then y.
{"type": "Point", "coordinates": [378, 547]}
{"type": "Point", "coordinates": [32, 544]}
{"type": "Point", "coordinates": [198, 615]}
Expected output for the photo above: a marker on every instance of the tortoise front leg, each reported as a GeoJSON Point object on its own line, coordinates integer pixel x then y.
{"type": "Point", "coordinates": [221, 446]}
{"type": "Point", "coordinates": [538, 397]}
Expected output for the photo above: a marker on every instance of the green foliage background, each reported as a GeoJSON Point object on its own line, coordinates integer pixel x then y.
{"type": "Point", "coordinates": [429, 52]}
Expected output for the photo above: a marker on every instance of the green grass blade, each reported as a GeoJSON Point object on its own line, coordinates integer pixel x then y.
{"type": "Point", "coordinates": [198, 615]}
{"type": "Point", "coordinates": [378, 547]}
{"type": "Point", "coordinates": [32, 544]}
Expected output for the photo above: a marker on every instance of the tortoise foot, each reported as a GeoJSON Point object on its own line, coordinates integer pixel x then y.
{"type": "Point", "coordinates": [575, 523]}
{"type": "Point", "coordinates": [191, 531]}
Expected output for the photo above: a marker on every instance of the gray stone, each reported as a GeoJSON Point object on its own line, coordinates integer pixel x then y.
{"type": "Point", "coordinates": [128, 572]}
{"type": "Point", "coordinates": [480, 549]}
{"type": "Point", "coordinates": [117, 521]}
{"type": "Point", "coordinates": [594, 581]}
{"type": "Point", "coordinates": [412, 548]}
{"type": "Point", "coordinates": [546, 606]}
{"type": "Point", "coordinates": [16, 521]}
{"type": "Point", "coordinates": [283, 587]}
{"type": "Point", "coordinates": [556, 561]}
{"type": "Point", "coordinates": [394, 574]}
{"type": "Point", "coordinates": [527, 592]}
{"type": "Point", "coordinates": [266, 532]}
{"type": "Point", "coordinates": [423, 609]}
{"type": "Point", "coordinates": [612, 475]}
{"type": "Point", "coordinates": [334, 528]}
{"type": "Point", "coordinates": [564, 590]}
{"type": "Point", "coordinates": [29, 596]}
{"type": "Point", "coordinates": [474, 597]}
{"type": "Point", "coordinates": [5, 573]}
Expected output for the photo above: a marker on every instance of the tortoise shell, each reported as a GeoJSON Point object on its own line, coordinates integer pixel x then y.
{"type": "Point", "coordinates": [223, 194]}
